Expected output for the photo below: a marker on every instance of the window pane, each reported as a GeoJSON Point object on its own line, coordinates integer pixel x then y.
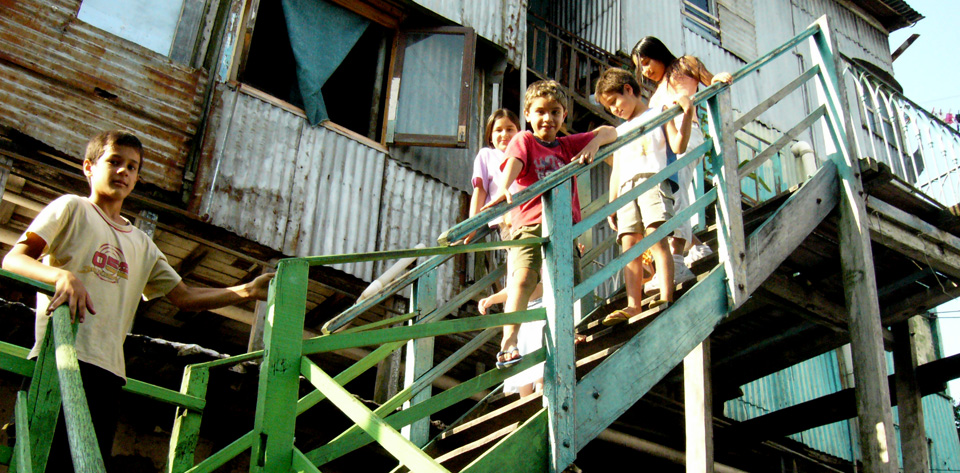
{"type": "Point", "coordinates": [149, 23]}
{"type": "Point", "coordinates": [429, 101]}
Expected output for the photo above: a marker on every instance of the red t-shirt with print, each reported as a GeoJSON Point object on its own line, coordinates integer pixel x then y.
{"type": "Point", "coordinates": [539, 159]}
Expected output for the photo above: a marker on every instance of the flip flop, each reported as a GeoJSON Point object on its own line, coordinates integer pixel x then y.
{"type": "Point", "coordinates": [506, 364]}
{"type": "Point", "coordinates": [662, 304]}
{"type": "Point", "coordinates": [618, 316]}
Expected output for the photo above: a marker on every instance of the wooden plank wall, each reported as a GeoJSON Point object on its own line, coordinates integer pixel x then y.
{"type": "Point", "coordinates": [62, 81]}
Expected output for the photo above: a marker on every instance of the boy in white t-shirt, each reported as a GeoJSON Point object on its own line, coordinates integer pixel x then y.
{"type": "Point", "coordinates": [619, 92]}
{"type": "Point", "coordinates": [101, 265]}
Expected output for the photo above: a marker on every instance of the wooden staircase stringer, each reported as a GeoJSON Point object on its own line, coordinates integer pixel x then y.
{"type": "Point", "coordinates": [602, 396]}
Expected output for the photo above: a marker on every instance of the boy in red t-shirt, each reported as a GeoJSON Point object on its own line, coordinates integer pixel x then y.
{"type": "Point", "coordinates": [530, 157]}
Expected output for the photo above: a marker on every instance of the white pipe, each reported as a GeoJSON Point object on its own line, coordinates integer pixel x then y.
{"type": "Point", "coordinates": [808, 160]}
{"type": "Point", "coordinates": [657, 450]}
{"type": "Point", "coordinates": [389, 275]}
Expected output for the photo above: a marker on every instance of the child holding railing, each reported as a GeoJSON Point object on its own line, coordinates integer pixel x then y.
{"type": "Point", "coordinates": [619, 92]}
{"type": "Point", "coordinates": [501, 127]}
{"type": "Point", "coordinates": [101, 266]}
{"type": "Point", "coordinates": [677, 77]}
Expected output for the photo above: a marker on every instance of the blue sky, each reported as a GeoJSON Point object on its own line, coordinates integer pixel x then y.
{"type": "Point", "coordinates": [929, 72]}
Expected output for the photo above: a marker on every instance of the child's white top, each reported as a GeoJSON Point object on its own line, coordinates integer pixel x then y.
{"type": "Point", "coordinates": [648, 154]}
{"type": "Point", "coordinates": [486, 175]}
{"type": "Point", "coordinates": [118, 264]}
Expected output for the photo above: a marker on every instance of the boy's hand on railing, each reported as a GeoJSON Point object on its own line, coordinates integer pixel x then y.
{"type": "Point", "coordinates": [612, 221]}
{"type": "Point", "coordinates": [684, 102]}
{"type": "Point", "coordinates": [485, 304]}
{"type": "Point", "coordinates": [469, 237]}
{"type": "Point", "coordinates": [503, 195]}
{"type": "Point", "coordinates": [588, 152]}
{"type": "Point", "coordinates": [722, 77]}
{"type": "Point", "coordinates": [70, 291]}
{"type": "Point", "coordinates": [260, 286]}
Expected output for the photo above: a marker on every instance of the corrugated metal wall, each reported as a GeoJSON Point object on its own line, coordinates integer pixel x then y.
{"type": "Point", "coordinates": [820, 376]}
{"type": "Point", "coordinates": [271, 178]}
{"type": "Point", "coordinates": [502, 22]}
{"type": "Point", "coordinates": [63, 81]}
{"type": "Point", "coordinates": [416, 209]}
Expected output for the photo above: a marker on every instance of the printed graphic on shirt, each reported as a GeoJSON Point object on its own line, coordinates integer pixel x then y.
{"type": "Point", "coordinates": [547, 165]}
{"type": "Point", "coordinates": [109, 263]}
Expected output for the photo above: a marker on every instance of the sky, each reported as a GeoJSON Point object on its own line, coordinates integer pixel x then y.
{"type": "Point", "coordinates": [928, 72]}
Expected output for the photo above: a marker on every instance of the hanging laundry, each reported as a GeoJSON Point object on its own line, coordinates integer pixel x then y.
{"type": "Point", "coordinates": [948, 119]}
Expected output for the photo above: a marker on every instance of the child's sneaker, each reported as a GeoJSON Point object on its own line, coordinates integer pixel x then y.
{"type": "Point", "coordinates": [697, 252]}
{"type": "Point", "coordinates": [681, 274]}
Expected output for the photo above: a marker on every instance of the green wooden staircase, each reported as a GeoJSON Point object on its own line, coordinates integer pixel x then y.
{"type": "Point", "coordinates": [584, 389]}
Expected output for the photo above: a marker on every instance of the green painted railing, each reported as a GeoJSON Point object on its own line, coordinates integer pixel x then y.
{"type": "Point", "coordinates": [575, 411]}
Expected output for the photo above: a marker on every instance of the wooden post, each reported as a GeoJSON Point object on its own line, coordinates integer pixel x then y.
{"type": "Point", "coordinates": [698, 409]}
{"type": "Point", "coordinates": [186, 423]}
{"type": "Point", "coordinates": [729, 210]}
{"type": "Point", "coordinates": [913, 435]}
{"type": "Point", "coordinates": [84, 449]}
{"type": "Point", "coordinates": [420, 356]}
{"type": "Point", "coordinates": [387, 384]}
{"type": "Point", "coordinates": [255, 342]}
{"type": "Point", "coordinates": [5, 164]}
{"type": "Point", "coordinates": [877, 436]}
{"type": "Point", "coordinates": [559, 374]}
{"type": "Point", "coordinates": [280, 371]}
{"type": "Point", "coordinates": [43, 403]}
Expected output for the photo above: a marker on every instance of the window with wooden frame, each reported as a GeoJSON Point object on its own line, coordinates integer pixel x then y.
{"type": "Point", "coordinates": [173, 28]}
{"type": "Point", "coordinates": [337, 61]}
{"type": "Point", "coordinates": [431, 97]}
{"type": "Point", "coordinates": [701, 16]}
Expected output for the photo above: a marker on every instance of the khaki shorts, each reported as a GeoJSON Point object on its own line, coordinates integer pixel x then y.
{"type": "Point", "coordinates": [654, 206]}
{"type": "Point", "coordinates": [531, 257]}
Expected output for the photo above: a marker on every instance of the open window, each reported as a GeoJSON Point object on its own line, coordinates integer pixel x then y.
{"type": "Point", "coordinates": [337, 61]}
{"type": "Point", "coordinates": [431, 86]}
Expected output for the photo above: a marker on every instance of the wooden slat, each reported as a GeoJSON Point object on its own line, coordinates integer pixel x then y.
{"type": "Point", "coordinates": [22, 447]}
{"type": "Point", "coordinates": [751, 166]}
{"type": "Point", "coordinates": [775, 98]}
{"type": "Point", "coordinates": [350, 340]}
{"type": "Point", "coordinates": [186, 422]}
{"type": "Point", "coordinates": [398, 446]}
{"type": "Point", "coordinates": [523, 451]}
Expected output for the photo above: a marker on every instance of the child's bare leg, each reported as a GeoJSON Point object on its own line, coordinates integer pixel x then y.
{"type": "Point", "coordinates": [633, 276]}
{"type": "Point", "coordinates": [519, 287]}
{"type": "Point", "coordinates": [664, 262]}
{"type": "Point", "coordinates": [678, 245]}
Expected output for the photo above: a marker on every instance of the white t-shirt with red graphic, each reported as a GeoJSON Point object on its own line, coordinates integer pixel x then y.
{"type": "Point", "coordinates": [118, 264]}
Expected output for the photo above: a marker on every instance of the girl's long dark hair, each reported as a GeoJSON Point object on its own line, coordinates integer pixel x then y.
{"type": "Point", "coordinates": [651, 47]}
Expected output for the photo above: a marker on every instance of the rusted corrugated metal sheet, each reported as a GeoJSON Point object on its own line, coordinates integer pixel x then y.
{"type": "Point", "coordinates": [270, 177]}
{"type": "Point", "coordinates": [503, 22]}
{"type": "Point", "coordinates": [416, 209]}
{"type": "Point", "coordinates": [62, 81]}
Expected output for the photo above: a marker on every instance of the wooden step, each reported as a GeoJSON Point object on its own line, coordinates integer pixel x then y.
{"type": "Point", "coordinates": [458, 446]}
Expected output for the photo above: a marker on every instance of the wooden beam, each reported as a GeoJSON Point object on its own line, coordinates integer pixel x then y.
{"type": "Point", "coordinates": [770, 244]}
{"type": "Point", "coordinates": [602, 396]}
{"type": "Point", "coordinates": [877, 436]}
{"type": "Point", "coordinates": [698, 409]}
{"type": "Point", "coordinates": [913, 437]}
{"type": "Point", "coordinates": [420, 357]}
{"type": "Point", "coordinates": [559, 372]}
{"type": "Point", "coordinates": [729, 210]}
{"type": "Point", "coordinates": [919, 240]}
{"type": "Point", "coordinates": [841, 405]}
{"type": "Point", "coordinates": [391, 440]}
